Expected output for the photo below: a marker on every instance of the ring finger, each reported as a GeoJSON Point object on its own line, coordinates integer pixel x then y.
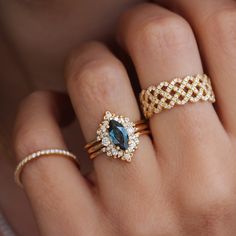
{"type": "Point", "coordinates": [162, 47]}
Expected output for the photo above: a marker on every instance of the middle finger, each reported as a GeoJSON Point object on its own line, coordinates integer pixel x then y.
{"type": "Point", "coordinates": [98, 82]}
{"type": "Point", "coordinates": [162, 47]}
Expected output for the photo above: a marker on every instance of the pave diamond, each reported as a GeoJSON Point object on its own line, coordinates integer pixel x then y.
{"type": "Point", "coordinates": [105, 141]}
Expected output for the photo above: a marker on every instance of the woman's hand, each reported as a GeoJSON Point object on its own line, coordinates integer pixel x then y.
{"type": "Point", "coordinates": [183, 182]}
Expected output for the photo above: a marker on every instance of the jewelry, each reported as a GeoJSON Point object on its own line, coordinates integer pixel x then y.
{"type": "Point", "coordinates": [117, 137]}
{"type": "Point", "coordinates": [39, 154]}
{"type": "Point", "coordinates": [177, 92]}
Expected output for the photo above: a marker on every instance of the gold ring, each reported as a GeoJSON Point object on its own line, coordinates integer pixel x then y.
{"type": "Point", "coordinates": [37, 155]}
{"type": "Point", "coordinates": [177, 92]}
{"type": "Point", "coordinates": [117, 137]}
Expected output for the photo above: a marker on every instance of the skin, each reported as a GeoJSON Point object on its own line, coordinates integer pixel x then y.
{"type": "Point", "coordinates": [180, 183]}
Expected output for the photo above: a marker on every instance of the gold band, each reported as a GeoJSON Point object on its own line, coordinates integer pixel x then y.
{"type": "Point", "coordinates": [177, 92]}
{"type": "Point", "coordinates": [104, 144]}
{"type": "Point", "coordinates": [39, 154]}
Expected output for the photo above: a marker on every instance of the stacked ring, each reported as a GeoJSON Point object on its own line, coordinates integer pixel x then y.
{"type": "Point", "coordinates": [177, 92]}
{"type": "Point", "coordinates": [117, 137]}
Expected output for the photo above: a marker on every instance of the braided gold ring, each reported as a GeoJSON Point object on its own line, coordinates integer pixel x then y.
{"type": "Point", "coordinates": [177, 92]}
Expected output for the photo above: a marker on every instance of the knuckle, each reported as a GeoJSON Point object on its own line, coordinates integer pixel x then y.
{"type": "Point", "coordinates": [98, 78]}
{"type": "Point", "coordinates": [222, 27]}
{"type": "Point", "coordinates": [166, 33]}
{"type": "Point", "coordinates": [214, 209]}
{"type": "Point", "coordinates": [143, 220]}
{"type": "Point", "coordinates": [149, 226]}
{"type": "Point", "coordinates": [27, 140]}
{"type": "Point", "coordinates": [34, 97]}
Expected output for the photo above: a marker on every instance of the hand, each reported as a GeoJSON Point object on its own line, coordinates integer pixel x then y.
{"type": "Point", "coordinates": [180, 183]}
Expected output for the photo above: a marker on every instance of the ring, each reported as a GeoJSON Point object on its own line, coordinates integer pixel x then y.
{"type": "Point", "coordinates": [117, 137]}
{"type": "Point", "coordinates": [37, 155]}
{"type": "Point", "coordinates": [177, 92]}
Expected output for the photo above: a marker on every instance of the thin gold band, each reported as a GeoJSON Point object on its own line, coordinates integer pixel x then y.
{"type": "Point", "coordinates": [39, 154]}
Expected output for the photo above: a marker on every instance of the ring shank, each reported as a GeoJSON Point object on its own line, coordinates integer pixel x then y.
{"type": "Point", "coordinates": [39, 154]}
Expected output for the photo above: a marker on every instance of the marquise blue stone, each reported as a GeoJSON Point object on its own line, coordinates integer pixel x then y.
{"type": "Point", "coordinates": [118, 134]}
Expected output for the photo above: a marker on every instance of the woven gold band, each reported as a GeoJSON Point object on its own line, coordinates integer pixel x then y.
{"type": "Point", "coordinates": [38, 154]}
{"type": "Point", "coordinates": [177, 92]}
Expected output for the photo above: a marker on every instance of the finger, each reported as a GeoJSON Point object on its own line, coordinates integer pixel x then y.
{"type": "Point", "coordinates": [98, 82]}
{"type": "Point", "coordinates": [57, 191]}
{"type": "Point", "coordinates": [214, 24]}
{"type": "Point", "coordinates": [162, 47]}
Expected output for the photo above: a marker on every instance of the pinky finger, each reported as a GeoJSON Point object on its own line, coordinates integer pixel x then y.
{"type": "Point", "coordinates": [60, 197]}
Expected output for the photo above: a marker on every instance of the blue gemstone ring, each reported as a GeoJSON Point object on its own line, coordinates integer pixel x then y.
{"type": "Point", "coordinates": [117, 137]}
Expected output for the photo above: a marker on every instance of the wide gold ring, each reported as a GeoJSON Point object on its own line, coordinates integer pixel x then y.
{"type": "Point", "coordinates": [117, 137]}
{"type": "Point", "coordinates": [179, 91]}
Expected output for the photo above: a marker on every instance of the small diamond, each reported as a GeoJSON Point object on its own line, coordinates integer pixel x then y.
{"type": "Point", "coordinates": [103, 128]}
{"type": "Point", "coordinates": [108, 115]}
{"type": "Point", "coordinates": [114, 152]}
{"type": "Point", "coordinates": [132, 145]}
{"type": "Point", "coordinates": [105, 123]}
{"type": "Point", "coordinates": [130, 129]}
{"type": "Point", "coordinates": [127, 156]}
{"type": "Point", "coordinates": [34, 155]}
{"type": "Point", "coordinates": [136, 140]}
{"type": "Point", "coordinates": [105, 141]}
{"type": "Point", "coordinates": [120, 153]}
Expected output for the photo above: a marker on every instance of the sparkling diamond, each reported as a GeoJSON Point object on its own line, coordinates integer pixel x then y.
{"type": "Point", "coordinates": [130, 130]}
{"type": "Point", "coordinates": [127, 156]}
{"type": "Point", "coordinates": [108, 115]}
{"type": "Point", "coordinates": [120, 153]}
{"type": "Point", "coordinates": [105, 141]}
{"type": "Point", "coordinates": [114, 152]}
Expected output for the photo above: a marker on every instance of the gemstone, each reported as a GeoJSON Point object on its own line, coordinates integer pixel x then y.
{"type": "Point", "coordinates": [130, 130]}
{"type": "Point", "coordinates": [118, 134]}
{"type": "Point", "coordinates": [127, 156]}
{"type": "Point", "coordinates": [105, 141]}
